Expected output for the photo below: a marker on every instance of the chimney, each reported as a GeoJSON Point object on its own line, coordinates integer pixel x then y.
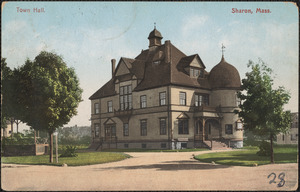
{"type": "Point", "coordinates": [167, 51]}
{"type": "Point", "coordinates": [113, 67]}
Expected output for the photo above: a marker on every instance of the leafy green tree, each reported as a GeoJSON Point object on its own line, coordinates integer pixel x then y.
{"type": "Point", "coordinates": [6, 92]}
{"type": "Point", "coordinates": [10, 107]}
{"type": "Point", "coordinates": [262, 105]}
{"type": "Point", "coordinates": [48, 92]}
{"type": "Point", "coordinates": [4, 74]}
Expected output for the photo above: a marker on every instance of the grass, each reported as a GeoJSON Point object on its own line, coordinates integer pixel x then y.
{"type": "Point", "coordinates": [153, 150]}
{"type": "Point", "coordinates": [282, 154]}
{"type": "Point", "coordinates": [88, 158]}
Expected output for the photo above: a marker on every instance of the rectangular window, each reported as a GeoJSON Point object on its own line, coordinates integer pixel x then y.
{"type": "Point", "coordinates": [163, 126]}
{"type": "Point", "coordinates": [144, 146]}
{"type": "Point", "coordinates": [282, 137]}
{"type": "Point", "coordinates": [209, 129]}
{"type": "Point", "coordinates": [113, 130]}
{"type": "Point", "coordinates": [183, 145]}
{"type": "Point", "coordinates": [109, 106]}
{"type": "Point", "coordinates": [144, 127]}
{"type": "Point", "coordinates": [162, 98]}
{"type": "Point", "coordinates": [196, 72]}
{"type": "Point", "coordinates": [201, 74]}
{"type": "Point", "coordinates": [97, 128]}
{"type": "Point", "coordinates": [125, 129]}
{"type": "Point", "coordinates": [238, 100]}
{"type": "Point", "coordinates": [183, 126]}
{"type": "Point", "coordinates": [182, 98]}
{"type": "Point", "coordinates": [96, 108]}
{"type": "Point", "coordinates": [126, 145]}
{"type": "Point", "coordinates": [228, 129]}
{"type": "Point", "coordinates": [143, 101]}
{"type": "Point", "coordinates": [201, 99]}
{"type": "Point", "coordinates": [126, 97]}
{"type": "Point", "coordinates": [294, 137]}
{"type": "Point", "coordinates": [191, 72]}
{"type": "Point", "coordinates": [163, 145]}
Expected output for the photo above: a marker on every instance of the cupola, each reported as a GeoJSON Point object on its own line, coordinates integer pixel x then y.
{"type": "Point", "coordinates": [154, 38]}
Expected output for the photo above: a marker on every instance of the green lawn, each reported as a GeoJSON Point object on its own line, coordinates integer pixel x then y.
{"type": "Point", "coordinates": [282, 154]}
{"type": "Point", "coordinates": [88, 158]}
{"type": "Point", "coordinates": [153, 150]}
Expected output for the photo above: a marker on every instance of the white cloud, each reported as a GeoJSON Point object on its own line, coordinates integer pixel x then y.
{"type": "Point", "coordinates": [193, 23]}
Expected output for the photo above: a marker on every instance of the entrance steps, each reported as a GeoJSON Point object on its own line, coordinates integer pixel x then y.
{"type": "Point", "coordinates": [216, 145]}
{"type": "Point", "coordinates": [94, 146]}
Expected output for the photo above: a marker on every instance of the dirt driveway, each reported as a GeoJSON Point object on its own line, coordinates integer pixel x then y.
{"type": "Point", "coordinates": [148, 171]}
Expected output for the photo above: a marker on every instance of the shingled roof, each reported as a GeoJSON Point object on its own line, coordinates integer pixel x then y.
{"type": "Point", "coordinates": [164, 65]}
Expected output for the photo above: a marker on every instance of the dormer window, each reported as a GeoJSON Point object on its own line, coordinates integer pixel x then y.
{"type": "Point", "coordinates": [156, 62]}
{"type": "Point", "coordinates": [195, 72]}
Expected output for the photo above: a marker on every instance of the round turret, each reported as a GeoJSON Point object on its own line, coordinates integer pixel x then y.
{"type": "Point", "coordinates": [224, 75]}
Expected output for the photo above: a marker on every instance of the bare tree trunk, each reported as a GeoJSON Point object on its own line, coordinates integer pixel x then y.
{"type": "Point", "coordinates": [17, 122]}
{"type": "Point", "coordinates": [51, 147]}
{"type": "Point", "coordinates": [272, 152]}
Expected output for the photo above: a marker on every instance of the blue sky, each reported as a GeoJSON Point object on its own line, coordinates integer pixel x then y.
{"type": "Point", "coordinates": [89, 34]}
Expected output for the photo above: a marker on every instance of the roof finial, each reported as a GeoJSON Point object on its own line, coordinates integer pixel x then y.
{"type": "Point", "coordinates": [154, 25]}
{"type": "Point", "coordinates": [223, 50]}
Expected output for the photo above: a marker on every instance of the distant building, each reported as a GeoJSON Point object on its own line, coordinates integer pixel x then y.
{"type": "Point", "coordinates": [292, 136]}
{"type": "Point", "coordinates": [77, 131]}
{"type": "Point", "coordinates": [164, 99]}
{"type": "Point", "coordinates": [6, 132]}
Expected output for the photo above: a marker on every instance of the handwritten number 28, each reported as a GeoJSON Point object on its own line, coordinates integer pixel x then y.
{"type": "Point", "coordinates": [280, 176]}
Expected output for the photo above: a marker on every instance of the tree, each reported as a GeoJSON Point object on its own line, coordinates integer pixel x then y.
{"type": "Point", "coordinates": [10, 107]}
{"type": "Point", "coordinates": [48, 93]}
{"type": "Point", "coordinates": [262, 105]}
{"type": "Point", "coordinates": [6, 83]}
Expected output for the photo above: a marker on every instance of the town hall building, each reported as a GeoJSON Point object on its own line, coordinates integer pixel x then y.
{"type": "Point", "coordinates": [164, 99]}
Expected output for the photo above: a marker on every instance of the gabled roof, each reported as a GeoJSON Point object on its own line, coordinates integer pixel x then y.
{"type": "Point", "coordinates": [186, 61]}
{"type": "Point", "coordinates": [183, 115]}
{"type": "Point", "coordinates": [128, 62]}
{"type": "Point", "coordinates": [160, 73]}
{"type": "Point", "coordinates": [106, 90]}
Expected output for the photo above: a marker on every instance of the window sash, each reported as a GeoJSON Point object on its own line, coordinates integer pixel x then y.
{"type": "Point", "coordinates": [97, 127]}
{"type": "Point", "coordinates": [183, 127]}
{"type": "Point", "coordinates": [196, 72]}
{"type": "Point", "coordinates": [201, 73]}
{"type": "Point", "coordinates": [228, 129]}
{"type": "Point", "coordinates": [163, 126]}
{"type": "Point", "coordinates": [162, 98]}
{"type": "Point", "coordinates": [126, 97]}
{"type": "Point", "coordinates": [143, 101]}
{"type": "Point", "coordinates": [126, 129]}
{"type": "Point", "coordinates": [182, 98]}
{"type": "Point", "coordinates": [201, 99]}
{"type": "Point", "coordinates": [113, 130]}
{"type": "Point", "coordinates": [143, 127]}
{"type": "Point", "coordinates": [96, 108]}
{"type": "Point", "coordinates": [109, 106]}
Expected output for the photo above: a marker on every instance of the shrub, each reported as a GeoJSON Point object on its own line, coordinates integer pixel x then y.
{"type": "Point", "coordinates": [264, 149]}
{"type": "Point", "coordinates": [69, 151]}
{"type": "Point", "coordinates": [18, 139]}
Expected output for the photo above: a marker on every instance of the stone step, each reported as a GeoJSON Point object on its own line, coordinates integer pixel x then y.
{"type": "Point", "coordinates": [216, 145]}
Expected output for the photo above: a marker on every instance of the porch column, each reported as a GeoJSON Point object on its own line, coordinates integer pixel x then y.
{"type": "Point", "coordinates": [220, 129]}
{"type": "Point", "coordinates": [203, 129]}
{"type": "Point", "coordinates": [198, 125]}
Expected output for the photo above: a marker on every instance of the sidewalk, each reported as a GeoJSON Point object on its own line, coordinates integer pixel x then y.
{"type": "Point", "coordinates": [148, 171]}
